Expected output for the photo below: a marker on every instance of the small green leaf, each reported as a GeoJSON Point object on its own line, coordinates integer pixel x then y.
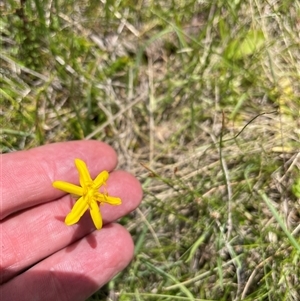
{"type": "Point", "coordinates": [248, 45]}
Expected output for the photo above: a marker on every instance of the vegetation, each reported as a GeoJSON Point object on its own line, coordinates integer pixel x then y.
{"type": "Point", "coordinates": [201, 100]}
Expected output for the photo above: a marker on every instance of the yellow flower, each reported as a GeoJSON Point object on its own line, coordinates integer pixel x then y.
{"type": "Point", "coordinates": [89, 195]}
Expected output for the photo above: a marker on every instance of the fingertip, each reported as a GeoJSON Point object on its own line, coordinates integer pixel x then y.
{"type": "Point", "coordinates": [120, 237]}
{"type": "Point", "coordinates": [125, 186]}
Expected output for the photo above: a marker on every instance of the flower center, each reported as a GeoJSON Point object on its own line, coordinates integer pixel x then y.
{"type": "Point", "coordinates": [89, 192]}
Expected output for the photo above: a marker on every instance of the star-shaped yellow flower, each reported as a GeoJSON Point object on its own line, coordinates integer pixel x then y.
{"type": "Point", "coordinates": [89, 195]}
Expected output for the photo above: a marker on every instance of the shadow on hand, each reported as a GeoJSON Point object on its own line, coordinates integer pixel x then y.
{"type": "Point", "coordinates": [84, 228]}
{"type": "Point", "coordinates": [48, 285]}
{"type": "Point", "coordinates": [82, 232]}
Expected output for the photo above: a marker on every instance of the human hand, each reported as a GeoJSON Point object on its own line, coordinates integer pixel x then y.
{"type": "Point", "coordinates": [41, 257]}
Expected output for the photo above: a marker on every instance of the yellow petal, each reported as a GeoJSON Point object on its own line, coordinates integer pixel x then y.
{"type": "Point", "coordinates": [112, 200]}
{"type": "Point", "coordinates": [68, 187]}
{"type": "Point", "coordinates": [77, 211]}
{"type": "Point", "coordinates": [84, 175]}
{"type": "Point", "coordinates": [101, 178]}
{"type": "Point", "coordinates": [102, 198]}
{"type": "Point", "coordinates": [96, 215]}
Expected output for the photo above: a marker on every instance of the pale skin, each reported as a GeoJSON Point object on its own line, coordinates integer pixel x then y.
{"type": "Point", "coordinates": [41, 257]}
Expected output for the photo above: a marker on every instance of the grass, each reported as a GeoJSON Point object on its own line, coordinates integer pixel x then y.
{"type": "Point", "coordinates": [201, 100]}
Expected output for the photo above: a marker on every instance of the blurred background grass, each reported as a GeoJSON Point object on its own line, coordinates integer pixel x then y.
{"type": "Point", "coordinates": [201, 100]}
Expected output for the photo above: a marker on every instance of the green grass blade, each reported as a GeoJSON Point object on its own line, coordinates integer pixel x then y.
{"type": "Point", "coordinates": [277, 216]}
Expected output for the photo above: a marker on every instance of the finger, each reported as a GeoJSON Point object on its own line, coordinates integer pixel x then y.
{"type": "Point", "coordinates": [77, 273]}
{"type": "Point", "coordinates": [34, 234]}
{"type": "Point", "coordinates": [27, 176]}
